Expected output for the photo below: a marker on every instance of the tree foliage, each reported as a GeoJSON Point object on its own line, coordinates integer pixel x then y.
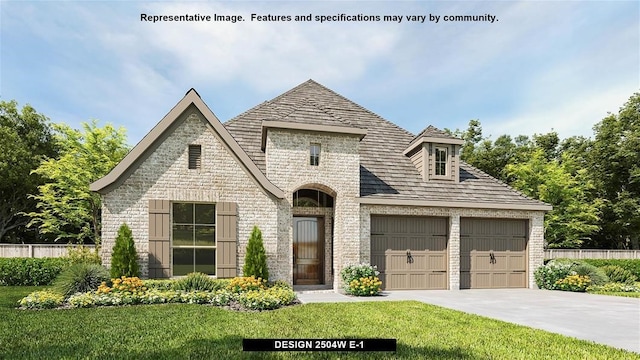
{"type": "Point", "coordinates": [25, 138]}
{"type": "Point", "coordinates": [255, 262]}
{"type": "Point", "coordinates": [574, 218]}
{"type": "Point", "coordinates": [593, 183]}
{"type": "Point", "coordinates": [124, 258]}
{"type": "Point", "coordinates": [66, 208]}
{"type": "Point", "coordinates": [615, 166]}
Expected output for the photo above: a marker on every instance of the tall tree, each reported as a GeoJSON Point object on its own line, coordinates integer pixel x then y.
{"type": "Point", "coordinates": [66, 208]}
{"type": "Point", "coordinates": [574, 218]}
{"type": "Point", "coordinates": [25, 138]}
{"type": "Point", "coordinates": [615, 166]}
{"type": "Point", "coordinates": [549, 143]}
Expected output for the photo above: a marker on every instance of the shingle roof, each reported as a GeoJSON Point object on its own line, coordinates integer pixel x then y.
{"type": "Point", "coordinates": [384, 171]}
{"type": "Point", "coordinates": [431, 131]}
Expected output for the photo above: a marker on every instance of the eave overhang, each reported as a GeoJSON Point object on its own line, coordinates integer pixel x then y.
{"type": "Point", "coordinates": [274, 124]}
{"type": "Point", "coordinates": [429, 139]}
{"type": "Point", "coordinates": [452, 204]}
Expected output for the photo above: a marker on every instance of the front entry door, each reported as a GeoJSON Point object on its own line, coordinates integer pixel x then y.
{"type": "Point", "coordinates": [308, 236]}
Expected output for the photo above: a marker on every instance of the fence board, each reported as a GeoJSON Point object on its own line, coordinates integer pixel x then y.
{"type": "Point", "coordinates": [591, 254]}
{"type": "Point", "coordinates": [35, 250]}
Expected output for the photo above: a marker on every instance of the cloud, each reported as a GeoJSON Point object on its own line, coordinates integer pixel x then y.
{"type": "Point", "coordinates": [568, 116]}
{"type": "Point", "coordinates": [269, 56]}
{"type": "Point", "coordinates": [541, 61]}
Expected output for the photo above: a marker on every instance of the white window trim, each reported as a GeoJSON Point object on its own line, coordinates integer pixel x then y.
{"type": "Point", "coordinates": [447, 175]}
{"type": "Point", "coordinates": [318, 154]}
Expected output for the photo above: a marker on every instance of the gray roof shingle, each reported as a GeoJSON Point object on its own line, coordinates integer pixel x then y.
{"type": "Point", "coordinates": [384, 170]}
{"type": "Point", "coordinates": [431, 131]}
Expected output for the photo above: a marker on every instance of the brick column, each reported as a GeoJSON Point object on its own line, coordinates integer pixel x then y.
{"type": "Point", "coordinates": [454, 250]}
{"type": "Point", "coordinates": [536, 245]}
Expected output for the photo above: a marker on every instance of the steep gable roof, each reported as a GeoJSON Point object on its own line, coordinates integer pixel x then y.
{"type": "Point", "coordinates": [148, 143]}
{"type": "Point", "coordinates": [387, 176]}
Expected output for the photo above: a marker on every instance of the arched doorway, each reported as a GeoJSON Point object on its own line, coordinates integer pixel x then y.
{"type": "Point", "coordinates": [312, 236]}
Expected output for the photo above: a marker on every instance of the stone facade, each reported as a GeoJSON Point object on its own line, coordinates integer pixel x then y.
{"type": "Point", "coordinates": [338, 173]}
{"type": "Point", "coordinates": [535, 247]}
{"type": "Point", "coordinates": [164, 175]}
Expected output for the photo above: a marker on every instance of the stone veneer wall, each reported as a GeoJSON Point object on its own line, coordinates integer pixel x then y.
{"type": "Point", "coordinates": [165, 175]}
{"type": "Point", "coordinates": [535, 245]}
{"type": "Point", "coordinates": [287, 156]}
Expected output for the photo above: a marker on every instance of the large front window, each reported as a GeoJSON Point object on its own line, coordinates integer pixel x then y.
{"type": "Point", "coordinates": [194, 238]}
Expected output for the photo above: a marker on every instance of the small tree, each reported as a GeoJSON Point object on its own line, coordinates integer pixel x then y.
{"type": "Point", "coordinates": [124, 258]}
{"type": "Point", "coordinates": [255, 262]}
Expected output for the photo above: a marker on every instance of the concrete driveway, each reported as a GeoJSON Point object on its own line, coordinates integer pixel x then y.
{"type": "Point", "coordinates": [609, 320]}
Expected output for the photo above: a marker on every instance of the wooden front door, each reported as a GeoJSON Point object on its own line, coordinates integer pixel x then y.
{"type": "Point", "coordinates": [308, 236]}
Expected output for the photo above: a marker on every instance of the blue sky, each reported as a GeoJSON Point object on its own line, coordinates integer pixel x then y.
{"type": "Point", "coordinates": [543, 65]}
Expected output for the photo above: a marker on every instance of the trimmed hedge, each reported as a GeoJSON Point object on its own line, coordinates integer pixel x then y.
{"type": "Point", "coordinates": [30, 271]}
{"type": "Point", "coordinates": [632, 265]}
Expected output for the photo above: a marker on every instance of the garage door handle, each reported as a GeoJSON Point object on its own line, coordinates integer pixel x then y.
{"type": "Point", "coordinates": [409, 257]}
{"type": "Point", "coordinates": [492, 258]}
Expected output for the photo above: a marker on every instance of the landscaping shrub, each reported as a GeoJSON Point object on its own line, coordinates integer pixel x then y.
{"type": "Point", "coordinates": [81, 277]}
{"type": "Point", "coordinates": [44, 299]}
{"type": "Point", "coordinates": [281, 284]}
{"type": "Point", "coordinates": [83, 254]}
{"type": "Point", "coordinates": [255, 261]}
{"type": "Point", "coordinates": [365, 286]}
{"type": "Point", "coordinates": [30, 271]}
{"type": "Point", "coordinates": [124, 258]}
{"type": "Point", "coordinates": [149, 296]}
{"type": "Point", "coordinates": [132, 285]}
{"type": "Point", "coordinates": [360, 278]}
{"type": "Point", "coordinates": [596, 275]}
{"type": "Point", "coordinates": [246, 283]}
{"type": "Point", "coordinates": [632, 265]}
{"type": "Point", "coordinates": [268, 299]}
{"type": "Point", "coordinates": [244, 292]}
{"type": "Point", "coordinates": [547, 275]}
{"type": "Point", "coordinates": [159, 284]}
{"type": "Point", "coordinates": [613, 287]}
{"type": "Point", "coordinates": [619, 274]}
{"type": "Point", "coordinates": [196, 281]}
{"type": "Point", "coordinates": [577, 283]}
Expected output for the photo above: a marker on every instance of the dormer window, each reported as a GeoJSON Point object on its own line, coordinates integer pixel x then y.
{"type": "Point", "coordinates": [441, 161]}
{"type": "Point", "coordinates": [314, 154]}
{"type": "Point", "coordinates": [436, 155]}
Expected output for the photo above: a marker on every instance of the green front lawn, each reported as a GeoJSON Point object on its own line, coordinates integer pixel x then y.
{"type": "Point", "coordinates": [177, 331]}
{"type": "Point", "coordinates": [623, 294]}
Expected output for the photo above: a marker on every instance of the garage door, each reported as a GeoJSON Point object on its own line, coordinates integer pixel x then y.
{"type": "Point", "coordinates": [410, 252]}
{"type": "Point", "coordinates": [493, 253]}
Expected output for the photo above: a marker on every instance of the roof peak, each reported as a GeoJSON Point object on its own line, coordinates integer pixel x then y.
{"type": "Point", "coordinates": [432, 131]}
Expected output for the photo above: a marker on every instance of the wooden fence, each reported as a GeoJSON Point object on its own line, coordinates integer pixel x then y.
{"type": "Point", "coordinates": [35, 250]}
{"type": "Point", "coordinates": [591, 254]}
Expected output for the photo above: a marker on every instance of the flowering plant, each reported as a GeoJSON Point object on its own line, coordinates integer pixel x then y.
{"type": "Point", "coordinates": [577, 283]}
{"type": "Point", "coordinates": [361, 279]}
